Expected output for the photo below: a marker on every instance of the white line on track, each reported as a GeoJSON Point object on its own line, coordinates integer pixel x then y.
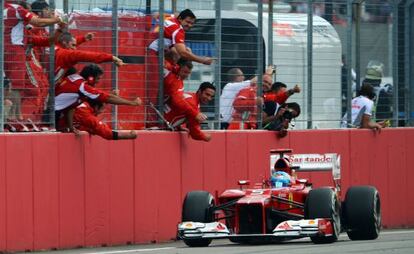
{"type": "Point", "coordinates": [396, 232]}
{"type": "Point", "coordinates": [130, 251]}
{"type": "Point", "coordinates": [393, 232]}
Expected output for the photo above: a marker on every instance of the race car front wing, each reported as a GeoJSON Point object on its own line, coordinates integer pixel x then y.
{"type": "Point", "coordinates": [287, 229]}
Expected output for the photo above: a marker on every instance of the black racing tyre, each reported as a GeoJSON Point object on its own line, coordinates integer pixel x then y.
{"type": "Point", "coordinates": [362, 211]}
{"type": "Point", "coordinates": [324, 203]}
{"type": "Point", "coordinates": [197, 208]}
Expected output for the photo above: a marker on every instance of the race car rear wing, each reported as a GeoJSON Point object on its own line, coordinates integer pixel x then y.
{"type": "Point", "coordinates": [308, 162]}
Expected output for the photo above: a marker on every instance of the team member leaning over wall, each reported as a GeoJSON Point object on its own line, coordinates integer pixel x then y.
{"type": "Point", "coordinates": [178, 117]}
{"type": "Point", "coordinates": [174, 48]}
{"type": "Point", "coordinates": [76, 88]}
{"type": "Point", "coordinates": [86, 119]}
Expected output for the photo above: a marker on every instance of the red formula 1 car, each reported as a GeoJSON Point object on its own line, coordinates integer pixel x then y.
{"type": "Point", "coordinates": [283, 207]}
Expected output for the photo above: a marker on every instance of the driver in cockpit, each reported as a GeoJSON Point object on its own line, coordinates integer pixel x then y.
{"type": "Point", "coordinates": [280, 179]}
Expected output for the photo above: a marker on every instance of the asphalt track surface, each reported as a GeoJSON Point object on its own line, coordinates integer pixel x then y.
{"type": "Point", "coordinates": [389, 241]}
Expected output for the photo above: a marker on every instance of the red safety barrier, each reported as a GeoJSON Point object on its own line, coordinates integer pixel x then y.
{"type": "Point", "coordinates": [60, 191]}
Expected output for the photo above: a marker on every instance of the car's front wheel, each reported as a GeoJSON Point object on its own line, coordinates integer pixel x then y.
{"type": "Point", "coordinates": [324, 203]}
{"type": "Point", "coordinates": [197, 208]}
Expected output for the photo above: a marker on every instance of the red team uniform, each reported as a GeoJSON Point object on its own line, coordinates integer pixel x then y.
{"type": "Point", "coordinates": [15, 20]}
{"type": "Point", "coordinates": [69, 93]}
{"type": "Point", "coordinates": [67, 58]}
{"type": "Point", "coordinates": [177, 117]}
{"type": "Point", "coordinates": [279, 97]}
{"type": "Point", "coordinates": [37, 39]}
{"type": "Point", "coordinates": [37, 65]}
{"type": "Point", "coordinates": [174, 94]}
{"type": "Point", "coordinates": [85, 119]}
{"type": "Point", "coordinates": [173, 33]}
{"type": "Point", "coordinates": [245, 109]}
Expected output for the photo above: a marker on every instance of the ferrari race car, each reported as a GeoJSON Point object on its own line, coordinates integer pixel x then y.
{"type": "Point", "coordinates": [283, 207]}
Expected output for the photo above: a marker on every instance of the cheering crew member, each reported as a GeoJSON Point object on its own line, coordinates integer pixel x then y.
{"type": "Point", "coordinates": [86, 119]}
{"type": "Point", "coordinates": [66, 56]}
{"type": "Point", "coordinates": [174, 90]}
{"type": "Point", "coordinates": [174, 48]}
{"type": "Point", "coordinates": [245, 105]}
{"type": "Point", "coordinates": [73, 88]}
{"type": "Point", "coordinates": [204, 95]}
{"type": "Point", "coordinates": [16, 17]}
{"type": "Point", "coordinates": [174, 37]}
{"type": "Point", "coordinates": [41, 8]}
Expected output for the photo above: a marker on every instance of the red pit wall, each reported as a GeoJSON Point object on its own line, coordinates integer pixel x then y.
{"type": "Point", "coordinates": [59, 191]}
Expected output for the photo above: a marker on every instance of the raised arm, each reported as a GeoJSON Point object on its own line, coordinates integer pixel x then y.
{"type": "Point", "coordinates": [67, 57]}
{"type": "Point", "coordinates": [114, 99]}
{"type": "Point", "coordinates": [186, 54]}
{"type": "Point", "coordinates": [36, 21]}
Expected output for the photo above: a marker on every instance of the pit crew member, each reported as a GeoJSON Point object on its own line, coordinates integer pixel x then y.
{"type": "Point", "coordinates": [177, 117]}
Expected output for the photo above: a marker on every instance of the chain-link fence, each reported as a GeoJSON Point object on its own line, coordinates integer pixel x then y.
{"type": "Point", "coordinates": [327, 47]}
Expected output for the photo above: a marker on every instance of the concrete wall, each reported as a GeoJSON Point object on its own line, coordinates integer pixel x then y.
{"type": "Point", "coordinates": [59, 191]}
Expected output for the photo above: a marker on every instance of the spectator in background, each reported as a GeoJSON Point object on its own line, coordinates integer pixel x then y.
{"type": "Point", "coordinates": [235, 75]}
{"type": "Point", "coordinates": [16, 17]}
{"type": "Point", "coordinates": [176, 117]}
{"type": "Point", "coordinates": [382, 109]}
{"type": "Point", "coordinates": [274, 98]}
{"type": "Point", "coordinates": [279, 93]}
{"type": "Point", "coordinates": [282, 117]}
{"type": "Point", "coordinates": [231, 89]}
{"type": "Point", "coordinates": [86, 119]}
{"type": "Point", "coordinates": [229, 92]}
{"type": "Point", "coordinates": [361, 114]}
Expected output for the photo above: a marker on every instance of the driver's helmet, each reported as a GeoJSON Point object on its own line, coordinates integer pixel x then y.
{"type": "Point", "coordinates": [280, 179]}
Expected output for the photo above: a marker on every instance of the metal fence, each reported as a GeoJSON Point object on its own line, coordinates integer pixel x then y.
{"type": "Point", "coordinates": [327, 47]}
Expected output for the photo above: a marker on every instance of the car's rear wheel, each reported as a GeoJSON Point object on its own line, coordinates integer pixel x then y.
{"type": "Point", "coordinates": [324, 203]}
{"type": "Point", "coordinates": [362, 211]}
{"type": "Point", "coordinates": [197, 208]}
